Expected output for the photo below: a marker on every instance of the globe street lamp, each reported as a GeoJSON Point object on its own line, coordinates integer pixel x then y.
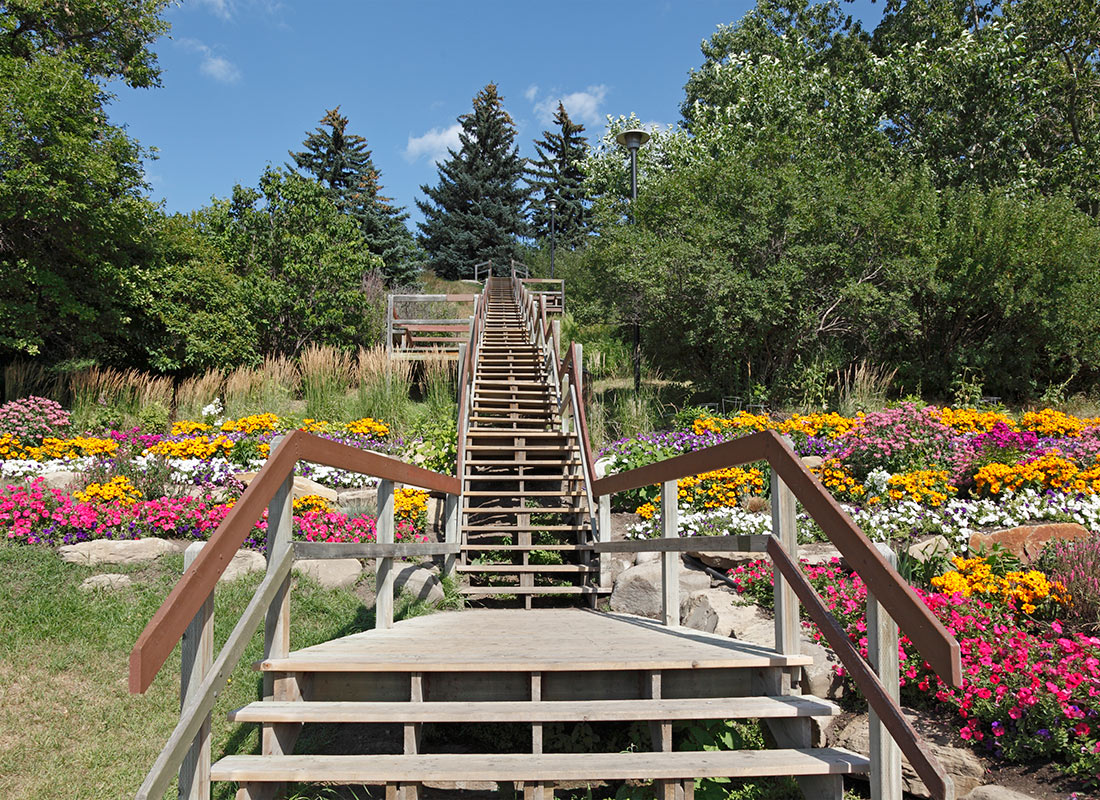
{"type": "Point", "coordinates": [632, 140]}
{"type": "Point", "coordinates": [553, 207]}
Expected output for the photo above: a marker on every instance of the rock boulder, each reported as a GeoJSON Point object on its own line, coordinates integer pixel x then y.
{"type": "Point", "coordinates": [1026, 541]}
{"type": "Point", "coordinates": [109, 582]}
{"type": "Point", "coordinates": [116, 551]}
{"type": "Point", "coordinates": [638, 589]}
{"type": "Point", "coordinates": [332, 573]}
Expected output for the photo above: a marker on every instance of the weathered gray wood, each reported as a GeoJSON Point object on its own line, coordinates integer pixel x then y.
{"type": "Point", "coordinates": [304, 550]}
{"type": "Point", "coordinates": [451, 531]}
{"type": "Point", "coordinates": [785, 529]}
{"type": "Point", "coordinates": [670, 560]}
{"type": "Point", "coordinates": [603, 533]}
{"type": "Point", "coordinates": [375, 769]}
{"type": "Point", "coordinates": [752, 707]}
{"type": "Point", "coordinates": [384, 575]}
{"type": "Point", "coordinates": [685, 544]}
{"type": "Point", "coordinates": [191, 719]}
{"type": "Point", "coordinates": [882, 651]}
{"type": "Point", "coordinates": [401, 321]}
{"type": "Point", "coordinates": [196, 657]}
{"type": "Point", "coordinates": [389, 323]}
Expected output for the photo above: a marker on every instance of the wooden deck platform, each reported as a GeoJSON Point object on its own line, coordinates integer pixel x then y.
{"type": "Point", "coordinates": [547, 640]}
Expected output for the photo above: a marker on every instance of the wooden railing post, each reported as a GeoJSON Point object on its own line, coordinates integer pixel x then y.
{"type": "Point", "coordinates": [882, 650]}
{"type": "Point", "coordinates": [670, 560]}
{"type": "Point", "coordinates": [383, 584]}
{"type": "Point", "coordinates": [603, 532]}
{"type": "Point", "coordinates": [785, 528]}
{"type": "Point", "coordinates": [450, 511]}
{"type": "Point", "coordinates": [278, 739]}
{"type": "Point", "coordinates": [389, 323]}
{"type": "Point", "coordinates": [196, 658]}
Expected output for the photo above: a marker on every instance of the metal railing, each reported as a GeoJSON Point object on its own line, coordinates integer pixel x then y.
{"type": "Point", "coordinates": [188, 608]}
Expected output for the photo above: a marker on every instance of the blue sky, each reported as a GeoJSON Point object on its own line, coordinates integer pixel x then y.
{"type": "Point", "coordinates": [244, 80]}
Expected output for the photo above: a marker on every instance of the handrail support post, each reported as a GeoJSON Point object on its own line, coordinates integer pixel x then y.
{"type": "Point", "coordinates": [196, 659]}
{"type": "Point", "coordinates": [882, 650]}
{"type": "Point", "coordinates": [785, 528]}
{"type": "Point", "coordinates": [450, 511]}
{"type": "Point", "coordinates": [603, 532]}
{"type": "Point", "coordinates": [670, 560]}
{"type": "Point", "coordinates": [384, 575]}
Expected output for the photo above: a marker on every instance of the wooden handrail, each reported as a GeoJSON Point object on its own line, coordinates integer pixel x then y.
{"type": "Point", "coordinates": [932, 639]}
{"type": "Point", "coordinates": [937, 781]}
{"type": "Point", "coordinates": [165, 629]}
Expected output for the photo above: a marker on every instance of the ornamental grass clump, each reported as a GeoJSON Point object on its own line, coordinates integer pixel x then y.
{"type": "Point", "coordinates": [326, 377]}
{"type": "Point", "coordinates": [31, 420]}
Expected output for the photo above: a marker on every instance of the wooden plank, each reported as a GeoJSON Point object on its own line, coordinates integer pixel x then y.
{"type": "Point", "coordinates": [687, 544]}
{"type": "Point", "coordinates": [537, 711]}
{"type": "Point", "coordinates": [788, 628]}
{"type": "Point", "coordinates": [670, 560]}
{"type": "Point", "coordinates": [882, 650]}
{"type": "Point", "coordinates": [923, 762]}
{"type": "Point", "coordinates": [196, 658]}
{"type": "Point", "coordinates": [376, 769]}
{"type": "Point", "coordinates": [312, 550]}
{"type": "Point", "coordinates": [384, 572]}
{"type": "Point", "coordinates": [551, 639]}
{"type": "Point", "coordinates": [436, 298]}
{"type": "Point", "coordinates": [171, 756]}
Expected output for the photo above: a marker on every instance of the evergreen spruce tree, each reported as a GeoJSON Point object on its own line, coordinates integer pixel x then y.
{"type": "Point", "coordinates": [475, 213]}
{"type": "Point", "coordinates": [342, 164]}
{"type": "Point", "coordinates": [557, 173]}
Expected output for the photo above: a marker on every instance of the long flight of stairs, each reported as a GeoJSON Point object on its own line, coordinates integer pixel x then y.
{"type": "Point", "coordinates": [526, 518]}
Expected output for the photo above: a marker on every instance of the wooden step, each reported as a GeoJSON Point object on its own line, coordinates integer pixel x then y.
{"type": "Point", "coordinates": [516, 568]}
{"type": "Point", "coordinates": [521, 510]}
{"type": "Point", "coordinates": [488, 591]}
{"type": "Point", "coordinates": [507, 529]}
{"type": "Point", "coordinates": [524, 493]}
{"type": "Point", "coordinates": [542, 448]}
{"type": "Point", "coordinates": [496, 433]}
{"type": "Point", "coordinates": [537, 711]}
{"type": "Point", "coordinates": [573, 548]}
{"type": "Point", "coordinates": [543, 767]}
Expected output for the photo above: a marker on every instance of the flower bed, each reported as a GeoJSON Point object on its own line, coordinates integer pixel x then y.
{"type": "Point", "coordinates": [37, 515]}
{"type": "Point", "coordinates": [1030, 690]}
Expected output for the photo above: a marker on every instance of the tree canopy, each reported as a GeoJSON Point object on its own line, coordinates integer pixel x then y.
{"type": "Point", "coordinates": [556, 173]}
{"type": "Point", "coordinates": [475, 212]}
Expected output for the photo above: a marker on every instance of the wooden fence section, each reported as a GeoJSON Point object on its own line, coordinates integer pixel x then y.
{"type": "Point", "coordinates": [416, 334]}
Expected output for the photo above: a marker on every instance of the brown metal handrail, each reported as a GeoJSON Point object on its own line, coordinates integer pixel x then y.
{"type": "Point", "coordinates": [927, 633]}
{"type": "Point", "coordinates": [168, 624]}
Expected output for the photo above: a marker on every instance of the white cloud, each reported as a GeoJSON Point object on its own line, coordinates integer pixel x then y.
{"type": "Point", "coordinates": [433, 144]}
{"type": "Point", "coordinates": [213, 66]}
{"type": "Point", "coordinates": [581, 106]}
{"type": "Point", "coordinates": [219, 8]}
{"type": "Point", "coordinates": [531, 93]}
{"type": "Point", "coordinates": [220, 69]}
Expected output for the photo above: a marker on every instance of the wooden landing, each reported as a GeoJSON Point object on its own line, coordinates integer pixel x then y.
{"type": "Point", "coordinates": [547, 640]}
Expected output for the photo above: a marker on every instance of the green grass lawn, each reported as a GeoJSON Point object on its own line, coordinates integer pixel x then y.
{"type": "Point", "coordinates": [68, 726]}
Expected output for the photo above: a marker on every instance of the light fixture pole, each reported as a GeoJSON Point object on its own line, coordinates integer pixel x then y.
{"type": "Point", "coordinates": [632, 140]}
{"type": "Point", "coordinates": [553, 207]}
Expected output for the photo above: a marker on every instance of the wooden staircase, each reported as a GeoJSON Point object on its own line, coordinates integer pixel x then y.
{"type": "Point", "coordinates": [524, 494]}
{"type": "Point", "coordinates": [499, 667]}
{"type": "Point", "coordinates": [526, 517]}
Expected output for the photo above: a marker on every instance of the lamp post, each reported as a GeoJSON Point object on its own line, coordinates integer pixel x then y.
{"type": "Point", "coordinates": [632, 140]}
{"type": "Point", "coordinates": [553, 207]}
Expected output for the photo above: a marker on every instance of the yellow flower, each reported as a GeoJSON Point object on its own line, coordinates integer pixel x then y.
{"type": "Point", "coordinates": [368, 427]}
{"type": "Point", "coordinates": [117, 490]}
{"type": "Point", "coordinates": [253, 423]}
{"type": "Point", "coordinates": [311, 502]}
{"type": "Point", "coordinates": [186, 427]}
{"type": "Point", "coordinates": [409, 504]}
